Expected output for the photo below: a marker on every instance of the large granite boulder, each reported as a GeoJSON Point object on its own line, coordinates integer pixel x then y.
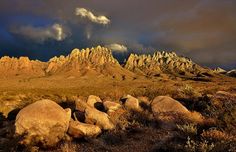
{"type": "Point", "coordinates": [43, 122]}
{"type": "Point", "coordinates": [169, 111]}
{"type": "Point", "coordinates": [163, 104]}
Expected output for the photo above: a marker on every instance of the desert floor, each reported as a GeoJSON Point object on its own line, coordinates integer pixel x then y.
{"type": "Point", "coordinates": [17, 92]}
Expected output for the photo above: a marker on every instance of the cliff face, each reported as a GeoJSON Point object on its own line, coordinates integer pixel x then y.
{"type": "Point", "coordinates": [21, 67]}
{"type": "Point", "coordinates": [163, 62]}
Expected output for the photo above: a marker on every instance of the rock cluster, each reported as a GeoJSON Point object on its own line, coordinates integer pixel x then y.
{"type": "Point", "coordinates": [163, 62]}
{"type": "Point", "coordinates": [21, 66]}
{"type": "Point", "coordinates": [46, 123]}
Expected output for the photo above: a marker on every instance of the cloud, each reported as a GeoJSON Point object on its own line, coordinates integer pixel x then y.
{"type": "Point", "coordinates": [40, 34]}
{"type": "Point", "coordinates": [117, 47]}
{"type": "Point", "coordinates": [203, 30]}
{"type": "Point", "coordinates": [82, 12]}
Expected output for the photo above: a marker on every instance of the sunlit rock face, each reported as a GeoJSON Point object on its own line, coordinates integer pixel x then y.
{"type": "Point", "coordinates": [42, 122]}
{"type": "Point", "coordinates": [22, 66]}
{"type": "Point", "coordinates": [163, 62]}
{"type": "Point", "coordinates": [97, 60]}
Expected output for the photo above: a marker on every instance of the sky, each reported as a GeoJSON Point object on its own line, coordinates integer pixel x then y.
{"type": "Point", "coordinates": [203, 30]}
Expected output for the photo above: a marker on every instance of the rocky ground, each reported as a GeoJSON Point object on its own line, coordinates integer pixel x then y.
{"type": "Point", "coordinates": [202, 120]}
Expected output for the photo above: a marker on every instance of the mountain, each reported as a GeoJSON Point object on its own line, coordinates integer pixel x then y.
{"type": "Point", "coordinates": [99, 61]}
{"type": "Point", "coordinates": [94, 61]}
{"type": "Point", "coordinates": [231, 73]}
{"type": "Point", "coordinates": [22, 66]}
{"type": "Point", "coordinates": [220, 70]}
{"type": "Point", "coordinates": [164, 62]}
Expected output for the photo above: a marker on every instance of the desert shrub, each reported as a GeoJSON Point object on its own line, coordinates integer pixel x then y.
{"type": "Point", "coordinates": [187, 91]}
{"type": "Point", "coordinates": [141, 119]}
{"type": "Point", "coordinates": [113, 137]}
{"type": "Point", "coordinates": [134, 119]}
{"type": "Point", "coordinates": [205, 146]}
{"type": "Point", "coordinates": [216, 135]}
{"type": "Point", "coordinates": [201, 146]}
{"type": "Point", "coordinates": [122, 121]}
{"type": "Point", "coordinates": [223, 109]}
{"type": "Point", "coordinates": [190, 145]}
{"type": "Point", "coordinates": [189, 129]}
{"type": "Point", "coordinates": [68, 147]}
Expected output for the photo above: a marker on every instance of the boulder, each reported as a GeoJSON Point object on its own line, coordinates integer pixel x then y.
{"type": "Point", "coordinates": [111, 106]}
{"type": "Point", "coordinates": [43, 122]}
{"type": "Point", "coordinates": [92, 100]}
{"type": "Point", "coordinates": [169, 111]}
{"type": "Point", "coordinates": [132, 103]}
{"type": "Point", "coordinates": [144, 102]}
{"type": "Point", "coordinates": [94, 116]}
{"type": "Point", "coordinates": [81, 105]}
{"type": "Point", "coordinates": [78, 129]}
{"type": "Point", "coordinates": [163, 104]}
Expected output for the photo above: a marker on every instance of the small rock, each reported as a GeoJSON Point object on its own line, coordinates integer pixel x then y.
{"type": "Point", "coordinates": [132, 103]}
{"type": "Point", "coordinates": [111, 106]}
{"type": "Point", "coordinates": [92, 100]}
{"type": "Point", "coordinates": [78, 129]}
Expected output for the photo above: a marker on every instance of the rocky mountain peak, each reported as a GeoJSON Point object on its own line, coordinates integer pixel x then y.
{"type": "Point", "coordinates": [85, 58]}
{"type": "Point", "coordinates": [11, 66]}
{"type": "Point", "coordinates": [220, 70]}
{"type": "Point", "coordinates": [162, 62]}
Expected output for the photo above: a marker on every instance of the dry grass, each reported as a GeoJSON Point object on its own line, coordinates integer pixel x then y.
{"type": "Point", "coordinates": [136, 131]}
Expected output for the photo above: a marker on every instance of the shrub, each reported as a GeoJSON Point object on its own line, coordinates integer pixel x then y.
{"type": "Point", "coordinates": [189, 129]}
{"type": "Point", "coordinates": [202, 146]}
{"type": "Point", "coordinates": [216, 135]}
{"type": "Point", "coordinates": [188, 91]}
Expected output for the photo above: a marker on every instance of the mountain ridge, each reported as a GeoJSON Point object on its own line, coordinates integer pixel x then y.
{"type": "Point", "coordinates": [100, 61]}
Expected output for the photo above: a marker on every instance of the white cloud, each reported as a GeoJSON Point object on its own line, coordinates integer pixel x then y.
{"type": "Point", "coordinates": [117, 47]}
{"type": "Point", "coordinates": [41, 34]}
{"type": "Point", "coordinates": [82, 12]}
